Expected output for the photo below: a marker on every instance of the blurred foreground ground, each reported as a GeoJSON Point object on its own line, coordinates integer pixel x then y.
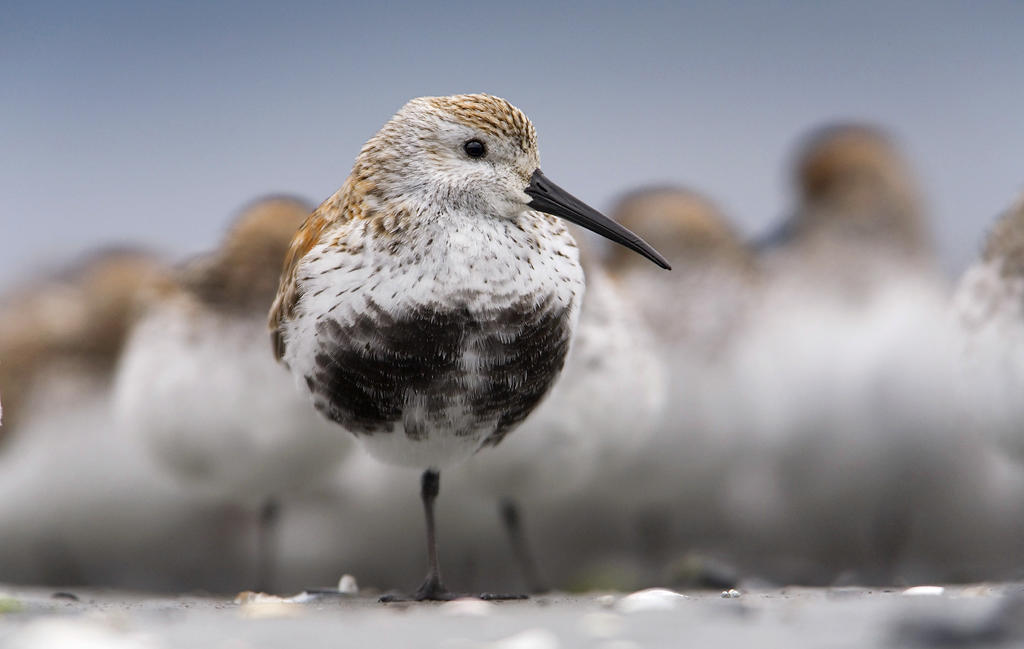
{"type": "Point", "coordinates": [973, 615]}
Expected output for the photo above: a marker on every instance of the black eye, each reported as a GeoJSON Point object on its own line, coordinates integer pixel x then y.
{"type": "Point", "coordinates": [474, 148]}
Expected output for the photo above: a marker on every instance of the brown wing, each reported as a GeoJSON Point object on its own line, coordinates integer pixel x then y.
{"type": "Point", "coordinates": [331, 211]}
{"type": "Point", "coordinates": [288, 290]}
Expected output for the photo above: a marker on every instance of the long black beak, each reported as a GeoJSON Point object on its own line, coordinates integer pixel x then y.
{"type": "Point", "coordinates": [552, 199]}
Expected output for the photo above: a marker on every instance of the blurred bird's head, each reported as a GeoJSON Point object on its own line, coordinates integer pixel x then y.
{"type": "Point", "coordinates": [851, 178]}
{"type": "Point", "coordinates": [837, 157]}
{"type": "Point", "coordinates": [688, 227]}
{"type": "Point", "coordinates": [243, 273]}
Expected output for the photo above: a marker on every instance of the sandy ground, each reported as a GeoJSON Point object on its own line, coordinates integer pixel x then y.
{"type": "Point", "coordinates": [967, 616]}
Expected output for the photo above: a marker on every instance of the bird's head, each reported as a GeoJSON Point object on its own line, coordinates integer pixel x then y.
{"type": "Point", "coordinates": [473, 154]}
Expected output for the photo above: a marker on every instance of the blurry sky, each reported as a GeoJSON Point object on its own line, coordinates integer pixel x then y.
{"type": "Point", "coordinates": [154, 122]}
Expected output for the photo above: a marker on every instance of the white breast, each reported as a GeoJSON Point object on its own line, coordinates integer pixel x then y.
{"type": "Point", "coordinates": [597, 417]}
{"type": "Point", "coordinates": [482, 263]}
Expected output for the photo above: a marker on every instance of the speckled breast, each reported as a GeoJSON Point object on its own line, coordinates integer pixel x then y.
{"type": "Point", "coordinates": [439, 369]}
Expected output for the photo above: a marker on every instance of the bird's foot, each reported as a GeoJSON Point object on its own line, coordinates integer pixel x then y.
{"type": "Point", "coordinates": [433, 590]}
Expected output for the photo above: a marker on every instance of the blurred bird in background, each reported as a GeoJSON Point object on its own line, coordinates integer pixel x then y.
{"type": "Point", "coordinates": [61, 336]}
{"type": "Point", "coordinates": [77, 507]}
{"type": "Point", "coordinates": [198, 385]}
{"type": "Point", "coordinates": [859, 220]}
{"type": "Point", "coordinates": [695, 318]}
{"type": "Point", "coordinates": [988, 307]}
{"type": "Point", "coordinates": [847, 382]}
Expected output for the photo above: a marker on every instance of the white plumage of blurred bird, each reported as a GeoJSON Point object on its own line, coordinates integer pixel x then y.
{"type": "Point", "coordinates": [669, 501]}
{"type": "Point", "coordinates": [198, 384]}
{"type": "Point", "coordinates": [855, 458]}
{"type": "Point", "coordinates": [79, 504]}
{"type": "Point", "coordinates": [988, 307]}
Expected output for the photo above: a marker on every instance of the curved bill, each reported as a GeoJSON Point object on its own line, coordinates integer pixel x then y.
{"type": "Point", "coordinates": [552, 199]}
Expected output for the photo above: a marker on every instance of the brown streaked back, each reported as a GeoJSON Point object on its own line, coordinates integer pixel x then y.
{"type": "Point", "coordinates": [242, 274]}
{"type": "Point", "coordinates": [1005, 243]}
{"type": "Point", "coordinates": [79, 318]}
{"type": "Point", "coordinates": [331, 211]}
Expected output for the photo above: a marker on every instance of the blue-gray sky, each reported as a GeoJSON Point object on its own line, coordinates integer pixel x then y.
{"type": "Point", "coordinates": [154, 122]}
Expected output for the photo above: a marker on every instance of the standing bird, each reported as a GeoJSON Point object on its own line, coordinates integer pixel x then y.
{"type": "Point", "coordinates": [859, 219]}
{"type": "Point", "coordinates": [989, 307]}
{"type": "Point", "coordinates": [719, 267]}
{"type": "Point", "coordinates": [429, 304]}
{"type": "Point", "coordinates": [196, 384]}
{"type": "Point", "coordinates": [697, 314]}
{"type": "Point", "coordinates": [60, 337]}
{"type": "Point", "coordinates": [846, 377]}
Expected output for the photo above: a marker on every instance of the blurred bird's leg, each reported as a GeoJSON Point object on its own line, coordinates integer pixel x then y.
{"type": "Point", "coordinates": [653, 536]}
{"type": "Point", "coordinates": [512, 522]}
{"type": "Point", "coordinates": [266, 543]}
{"type": "Point", "coordinates": [890, 534]}
{"type": "Point", "coordinates": [57, 564]}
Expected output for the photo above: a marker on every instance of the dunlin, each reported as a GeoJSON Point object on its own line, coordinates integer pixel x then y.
{"type": "Point", "coordinates": [859, 217]}
{"type": "Point", "coordinates": [61, 336]}
{"type": "Point", "coordinates": [197, 385]}
{"type": "Point", "coordinates": [844, 371]}
{"type": "Point", "coordinates": [428, 305]}
{"type": "Point", "coordinates": [989, 307]}
{"type": "Point", "coordinates": [708, 291]}
{"type": "Point", "coordinates": [696, 315]}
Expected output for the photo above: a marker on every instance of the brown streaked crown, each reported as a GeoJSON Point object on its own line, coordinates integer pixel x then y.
{"type": "Point", "coordinates": [490, 114]}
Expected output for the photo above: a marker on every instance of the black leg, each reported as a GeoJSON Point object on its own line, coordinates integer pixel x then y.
{"type": "Point", "coordinates": [266, 544]}
{"type": "Point", "coordinates": [512, 522]}
{"type": "Point", "coordinates": [433, 589]}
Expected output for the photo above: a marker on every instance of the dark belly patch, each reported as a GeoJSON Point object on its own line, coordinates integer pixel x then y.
{"type": "Point", "coordinates": [379, 369]}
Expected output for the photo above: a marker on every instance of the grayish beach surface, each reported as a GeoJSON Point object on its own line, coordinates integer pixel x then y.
{"type": "Point", "coordinates": [951, 616]}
